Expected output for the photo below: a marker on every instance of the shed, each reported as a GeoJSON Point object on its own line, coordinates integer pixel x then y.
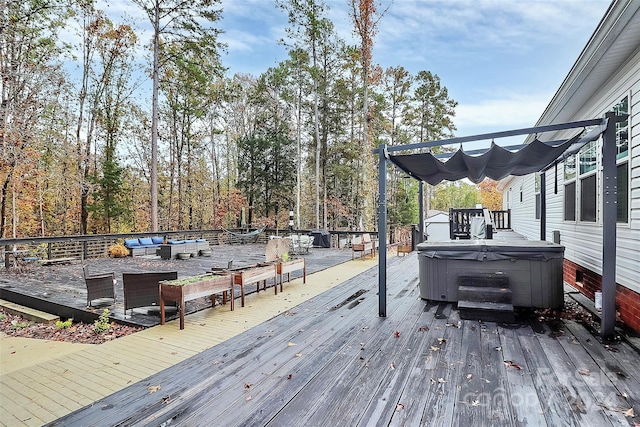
{"type": "Point", "coordinates": [436, 226]}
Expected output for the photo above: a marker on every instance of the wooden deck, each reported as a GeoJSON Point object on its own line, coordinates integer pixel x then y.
{"type": "Point", "coordinates": [331, 361]}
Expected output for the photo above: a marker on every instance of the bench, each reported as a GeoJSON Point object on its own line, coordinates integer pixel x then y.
{"type": "Point", "coordinates": [57, 261]}
{"type": "Point", "coordinates": [366, 245]}
{"type": "Point", "coordinates": [404, 248]}
{"type": "Point", "coordinates": [143, 245]}
{"type": "Point", "coordinates": [172, 248]}
{"type": "Point", "coordinates": [142, 289]}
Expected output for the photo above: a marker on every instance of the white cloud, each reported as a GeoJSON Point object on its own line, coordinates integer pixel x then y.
{"type": "Point", "coordinates": [493, 114]}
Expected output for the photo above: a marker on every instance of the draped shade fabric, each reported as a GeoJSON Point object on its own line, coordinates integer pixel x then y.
{"type": "Point", "coordinates": [496, 163]}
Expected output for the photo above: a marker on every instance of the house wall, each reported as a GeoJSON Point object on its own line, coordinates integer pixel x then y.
{"type": "Point", "coordinates": [583, 241]}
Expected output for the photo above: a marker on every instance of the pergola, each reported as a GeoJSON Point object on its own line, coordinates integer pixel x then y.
{"type": "Point", "coordinates": [497, 163]}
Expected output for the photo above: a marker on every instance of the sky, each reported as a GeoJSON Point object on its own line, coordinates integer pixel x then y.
{"type": "Point", "coordinates": [501, 60]}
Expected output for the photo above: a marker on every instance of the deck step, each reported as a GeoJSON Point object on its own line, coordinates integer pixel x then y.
{"type": "Point", "coordinates": [484, 294]}
{"type": "Point", "coordinates": [492, 280]}
{"type": "Point", "coordinates": [28, 313]}
{"type": "Point", "coordinates": [486, 311]}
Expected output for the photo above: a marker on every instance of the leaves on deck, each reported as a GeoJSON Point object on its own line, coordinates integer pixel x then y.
{"type": "Point", "coordinates": [510, 364]}
{"type": "Point", "coordinates": [396, 334]}
{"type": "Point", "coordinates": [154, 388]}
{"type": "Point", "coordinates": [400, 406]}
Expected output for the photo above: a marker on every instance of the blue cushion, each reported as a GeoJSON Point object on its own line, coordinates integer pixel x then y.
{"type": "Point", "coordinates": [130, 243]}
{"type": "Point", "coordinates": [157, 240]}
{"type": "Point", "coordinates": [176, 242]}
{"type": "Point", "coordinates": [146, 241]}
{"type": "Point", "coordinates": [189, 241]}
{"type": "Point", "coordinates": [201, 240]}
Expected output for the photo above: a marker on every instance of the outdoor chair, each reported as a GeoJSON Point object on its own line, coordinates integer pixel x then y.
{"type": "Point", "coordinates": [99, 285]}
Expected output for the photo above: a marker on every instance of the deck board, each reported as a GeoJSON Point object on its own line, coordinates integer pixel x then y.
{"type": "Point", "coordinates": [332, 361]}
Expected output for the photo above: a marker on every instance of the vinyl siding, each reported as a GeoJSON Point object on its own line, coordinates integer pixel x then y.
{"type": "Point", "coordinates": [583, 241]}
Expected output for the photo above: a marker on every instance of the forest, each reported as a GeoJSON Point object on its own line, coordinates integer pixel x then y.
{"type": "Point", "coordinates": [83, 153]}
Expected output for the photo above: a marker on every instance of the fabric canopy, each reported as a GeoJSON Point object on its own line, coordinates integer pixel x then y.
{"type": "Point", "coordinates": [496, 163]}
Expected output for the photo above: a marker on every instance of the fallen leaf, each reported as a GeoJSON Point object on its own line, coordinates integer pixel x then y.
{"type": "Point", "coordinates": [248, 398]}
{"type": "Point", "coordinates": [469, 376]}
{"type": "Point", "coordinates": [173, 353]}
{"type": "Point", "coordinates": [441, 341]}
{"type": "Point", "coordinates": [154, 388]}
{"type": "Point", "coordinates": [629, 413]}
{"type": "Point", "coordinates": [585, 372]}
{"type": "Point", "coordinates": [498, 348]}
{"type": "Point", "coordinates": [510, 364]}
{"type": "Point", "coordinates": [291, 344]}
{"type": "Point", "coordinates": [166, 399]}
{"type": "Point", "coordinates": [298, 354]}
{"type": "Point", "coordinates": [441, 380]}
{"type": "Point", "coordinates": [396, 334]}
{"type": "Point", "coordinates": [289, 376]}
{"type": "Point", "coordinates": [399, 406]}
{"type": "Point", "coordinates": [393, 365]}
{"type": "Point", "coordinates": [434, 348]}
{"type": "Point", "coordinates": [424, 328]}
{"type": "Point", "coordinates": [475, 403]}
{"type": "Point", "coordinates": [247, 386]}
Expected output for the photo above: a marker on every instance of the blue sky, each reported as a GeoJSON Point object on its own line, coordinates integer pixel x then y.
{"type": "Point", "coordinates": [502, 60]}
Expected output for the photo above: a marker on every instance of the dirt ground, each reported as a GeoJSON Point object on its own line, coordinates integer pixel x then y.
{"type": "Point", "coordinates": [16, 326]}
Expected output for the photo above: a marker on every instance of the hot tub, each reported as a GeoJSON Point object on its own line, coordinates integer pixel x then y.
{"type": "Point", "coordinates": [534, 269]}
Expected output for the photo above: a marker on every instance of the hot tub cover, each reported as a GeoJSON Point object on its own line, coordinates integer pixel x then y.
{"type": "Point", "coordinates": [491, 250]}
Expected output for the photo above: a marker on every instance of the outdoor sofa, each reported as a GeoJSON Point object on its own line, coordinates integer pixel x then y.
{"type": "Point", "coordinates": [143, 245]}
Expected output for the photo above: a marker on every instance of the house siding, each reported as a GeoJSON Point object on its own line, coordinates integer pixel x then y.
{"type": "Point", "coordinates": [583, 241]}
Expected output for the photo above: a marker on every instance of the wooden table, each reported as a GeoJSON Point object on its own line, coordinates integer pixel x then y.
{"type": "Point", "coordinates": [188, 289]}
{"type": "Point", "coordinates": [286, 267]}
{"type": "Point", "coordinates": [255, 275]}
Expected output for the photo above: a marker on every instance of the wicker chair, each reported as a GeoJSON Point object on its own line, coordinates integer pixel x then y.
{"type": "Point", "coordinates": [143, 289]}
{"type": "Point", "coordinates": [99, 285]}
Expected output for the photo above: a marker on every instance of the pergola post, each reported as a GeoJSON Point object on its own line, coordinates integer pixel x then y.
{"type": "Point", "coordinates": [421, 210]}
{"type": "Point", "coordinates": [609, 218]}
{"type": "Point", "coordinates": [382, 231]}
{"type": "Point", "coordinates": [543, 205]}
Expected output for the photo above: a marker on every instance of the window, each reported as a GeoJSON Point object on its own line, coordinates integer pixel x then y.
{"type": "Point", "coordinates": [521, 198]}
{"type": "Point", "coordinates": [570, 168]}
{"type": "Point", "coordinates": [623, 193]}
{"type": "Point", "coordinates": [622, 157]}
{"type": "Point", "coordinates": [538, 195]}
{"type": "Point", "coordinates": [622, 129]}
{"type": "Point", "coordinates": [588, 198]}
{"type": "Point", "coordinates": [570, 202]}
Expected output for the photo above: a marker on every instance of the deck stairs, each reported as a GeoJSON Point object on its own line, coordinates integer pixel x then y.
{"type": "Point", "coordinates": [485, 296]}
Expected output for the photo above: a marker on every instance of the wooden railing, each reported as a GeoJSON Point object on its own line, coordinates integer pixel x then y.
{"type": "Point", "coordinates": [501, 219]}
{"type": "Point", "coordinates": [460, 222]}
{"type": "Point", "coordinates": [97, 245]}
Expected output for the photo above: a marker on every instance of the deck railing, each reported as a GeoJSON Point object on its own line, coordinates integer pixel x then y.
{"type": "Point", "coordinates": [97, 245]}
{"type": "Point", "coordinates": [460, 222]}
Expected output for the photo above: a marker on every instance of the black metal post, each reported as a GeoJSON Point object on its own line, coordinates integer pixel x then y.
{"type": "Point", "coordinates": [421, 210]}
{"type": "Point", "coordinates": [382, 231]}
{"type": "Point", "coordinates": [543, 206]}
{"type": "Point", "coordinates": [609, 217]}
